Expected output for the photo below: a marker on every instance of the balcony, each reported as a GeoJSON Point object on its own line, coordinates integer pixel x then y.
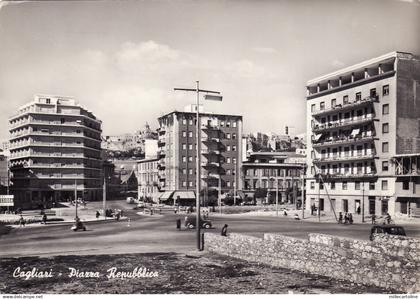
{"type": "Point", "coordinates": [161, 165]}
{"type": "Point", "coordinates": [211, 164]}
{"type": "Point", "coordinates": [346, 176]}
{"type": "Point", "coordinates": [342, 141]}
{"type": "Point", "coordinates": [161, 141]}
{"type": "Point", "coordinates": [161, 130]}
{"type": "Point", "coordinates": [210, 140]}
{"type": "Point", "coordinates": [209, 152]}
{"type": "Point", "coordinates": [209, 128]}
{"type": "Point", "coordinates": [342, 124]}
{"type": "Point", "coordinates": [348, 106]}
{"type": "Point", "coordinates": [161, 153]}
{"type": "Point", "coordinates": [343, 158]}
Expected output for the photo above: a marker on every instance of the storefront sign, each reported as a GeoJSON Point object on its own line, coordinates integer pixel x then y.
{"type": "Point", "coordinates": [6, 200]}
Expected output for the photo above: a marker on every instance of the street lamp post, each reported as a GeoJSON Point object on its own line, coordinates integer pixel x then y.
{"type": "Point", "coordinates": [363, 202]}
{"type": "Point", "coordinates": [75, 195]}
{"type": "Point", "coordinates": [198, 154]}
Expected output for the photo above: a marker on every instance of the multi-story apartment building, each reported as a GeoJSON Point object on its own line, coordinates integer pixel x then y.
{"type": "Point", "coordinates": [55, 149]}
{"type": "Point", "coordinates": [220, 147]}
{"type": "Point", "coordinates": [148, 181]}
{"type": "Point", "coordinates": [280, 172]}
{"type": "Point", "coordinates": [364, 137]}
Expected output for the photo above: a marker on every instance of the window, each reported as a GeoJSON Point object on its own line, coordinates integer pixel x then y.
{"type": "Point", "coordinates": [357, 185]}
{"type": "Point", "coordinates": [332, 186]}
{"type": "Point", "coordinates": [385, 109]}
{"type": "Point", "coordinates": [190, 158]}
{"type": "Point", "coordinates": [184, 146]}
{"type": "Point", "coordinates": [233, 136]}
{"type": "Point", "coordinates": [406, 185]}
{"type": "Point", "coordinates": [358, 96]}
{"type": "Point", "coordinates": [385, 90]}
{"type": "Point", "coordinates": [333, 103]}
{"type": "Point", "coordinates": [234, 148]}
{"type": "Point", "coordinates": [321, 185]}
{"type": "Point", "coordinates": [344, 185]}
{"type": "Point", "coordinates": [322, 106]}
{"type": "Point", "coordinates": [190, 134]}
{"type": "Point", "coordinates": [184, 134]}
{"type": "Point", "coordinates": [234, 124]}
{"type": "Point", "coordinates": [313, 108]}
{"type": "Point", "coordinates": [385, 147]}
{"type": "Point", "coordinates": [184, 121]}
{"type": "Point", "coordinates": [385, 165]}
{"type": "Point", "coordinates": [371, 186]}
{"type": "Point", "coordinates": [373, 92]}
{"type": "Point", "coordinates": [190, 171]}
{"type": "Point", "coordinates": [345, 100]}
{"type": "Point", "coordinates": [184, 171]}
{"type": "Point", "coordinates": [385, 128]}
{"type": "Point", "coordinates": [228, 124]}
{"type": "Point", "coordinates": [191, 122]}
{"type": "Point", "coordinates": [190, 146]}
{"type": "Point", "coordinates": [384, 185]}
{"type": "Point", "coordinates": [184, 159]}
{"type": "Point", "coordinates": [227, 160]}
{"type": "Point", "coordinates": [234, 160]}
{"type": "Point", "coordinates": [228, 136]}
{"type": "Point", "coordinates": [48, 101]}
{"type": "Point", "coordinates": [312, 185]}
{"type": "Point", "coordinates": [191, 183]}
{"type": "Point", "coordinates": [184, 184]}
{"type": "Point", "coordinates": [228, 183]}
{"type": "Point", "coordinates": [228, 148]}
{"type": "Point", "coordinates": [222, 123]}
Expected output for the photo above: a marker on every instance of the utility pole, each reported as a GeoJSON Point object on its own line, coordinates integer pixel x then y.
{"type": "Point", "coordinates": [277, 194]}
{"type": "Point", "coordinates": [104, 196]}
{"type": "Point", "coordinates": [198, 155]}
{"type": "Point", "coordinates": [234, 186]}
{"type": "Point", "coordinates": [302, 192]}
{"type": "Point", "coordinates": [75, 194]}
{"type": "Point", "coordinates": [363, 202]}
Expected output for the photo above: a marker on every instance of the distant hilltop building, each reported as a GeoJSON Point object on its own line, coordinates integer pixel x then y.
{"type": "Point", "coordinates": [273, 142]}
{"type": "Point", "coordinates": [126, 142]}
{"type": "Point", "coordinates": [55, 148]}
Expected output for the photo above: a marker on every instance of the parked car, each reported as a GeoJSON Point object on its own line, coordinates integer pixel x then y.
{"type": "Point", "coordinates": [387, 229]}
{"type": "Point", "coordinates": [192, 220]}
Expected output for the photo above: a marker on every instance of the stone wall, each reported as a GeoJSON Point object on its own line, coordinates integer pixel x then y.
{"type": "Point", "coordinates": [388, 261]}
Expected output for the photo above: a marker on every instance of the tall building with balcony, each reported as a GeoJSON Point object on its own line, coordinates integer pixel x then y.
{"type": "Point", "coordinates": [55, 150]}
{"type": "Point", "coordinates": [363, 137]}
{"type": "Point", "coordinates": [220, 147]}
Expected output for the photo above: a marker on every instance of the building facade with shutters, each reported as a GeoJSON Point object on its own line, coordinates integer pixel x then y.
{"type": "Point", "coordinates": [220, 147]}
{"type": "Point", "coordinates": [55, 150]}
{"type": "Point", "coordinates": [364, 137]}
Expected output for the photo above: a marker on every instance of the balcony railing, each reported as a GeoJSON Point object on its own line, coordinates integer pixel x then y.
{"type": "Point", "coordinates": [344, 123]}
{"type": "Point", "coordinates": [340, 158]}
{"type": "Point", "coordinates": [344, 176]}
{"type": "Point", "coordinates": [342, 140]}
{"type": "Point", "coordinates": [348, 106]}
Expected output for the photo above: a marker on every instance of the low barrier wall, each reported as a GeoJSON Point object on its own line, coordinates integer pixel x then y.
{"type": "Point", "coordinates": [390, 262]}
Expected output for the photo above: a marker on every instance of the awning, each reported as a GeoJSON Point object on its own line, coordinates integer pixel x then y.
{"type": "Point", "coordinates": [317, 136]}
{"type": "Point", "coordinates": [184, 195]}
{"type": "Point", "coordinates": [165, 195]}
{"type": "Point", "coordinates": [355, 132]}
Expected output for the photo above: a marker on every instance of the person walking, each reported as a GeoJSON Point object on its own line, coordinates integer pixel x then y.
{"type": "Point", "coordinates": [358, 210]}
{"type": "Point", "coordinates": [224, 230]}
{"type": "Point", "coordinates": [97, 214]}
{"type": "Point", "coordinates": [350, 218]}
{"type": "Point", "coordinates": [44, 219]}
{"type": "Point", "coordinates": [346, 218]}
{"type": "Point", "coordinates": [21, 221]}
{"type": "Point", "coordinates": [373, 219]}
{"type": "Point", "coordinates": [178, 224]}
{"type": "Point", "coordinates": [340, 218]}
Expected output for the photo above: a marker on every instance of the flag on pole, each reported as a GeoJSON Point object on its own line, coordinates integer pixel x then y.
{"type": "Point", "coordinates": [212, 97]}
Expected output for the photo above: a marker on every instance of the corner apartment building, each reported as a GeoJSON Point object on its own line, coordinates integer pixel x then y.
{"type": "Point", "coordinates": [280, 172]}
{"type": "Point", "coordinates": [364, 137]}
{"type": "Point", "coordinates": [55, 147]}
{"type": "Point", "coordinates": [220, 147]}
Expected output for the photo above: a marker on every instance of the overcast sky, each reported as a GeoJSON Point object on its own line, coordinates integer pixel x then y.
{"type": "Point", "coordinates": [122, 59]}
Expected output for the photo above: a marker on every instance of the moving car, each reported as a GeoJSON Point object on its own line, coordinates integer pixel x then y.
{"type": "Point", "coordinates": [192, 220]}
{"type": "Point", "coordinates": [389, 229]}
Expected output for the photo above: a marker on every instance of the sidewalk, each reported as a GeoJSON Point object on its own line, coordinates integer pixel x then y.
{"type": "Point", "coordinates": [324, 217]}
